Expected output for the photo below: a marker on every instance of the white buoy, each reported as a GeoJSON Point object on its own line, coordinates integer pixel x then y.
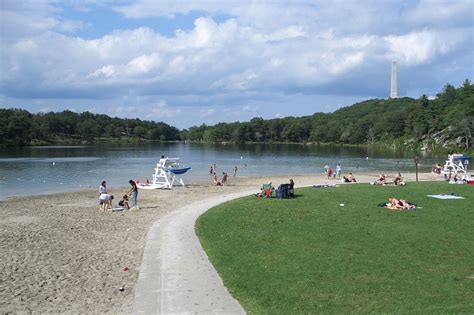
{"type": "Point", "coordinates": [366, 157]}
{"type": "Point", "coordinates": [241, 157]}
{"type": "Point", "coordinates": [54, 163]}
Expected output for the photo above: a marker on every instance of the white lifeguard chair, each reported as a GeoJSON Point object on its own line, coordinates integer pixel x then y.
{"type": "Point", "coordinates": [455, 164]}
{"type": "Point", "coordinates": [167, 171]}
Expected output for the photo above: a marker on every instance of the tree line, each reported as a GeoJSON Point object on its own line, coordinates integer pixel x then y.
{"type": "Point", "coordinates": [19, 127]}
{"type": "Point", "coordinates": [446, 119]}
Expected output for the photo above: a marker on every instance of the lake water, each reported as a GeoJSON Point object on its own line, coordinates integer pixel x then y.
{"type": "Point", "coordinates": [49, 169]}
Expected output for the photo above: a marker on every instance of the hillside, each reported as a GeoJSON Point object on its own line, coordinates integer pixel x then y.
{"type": "Point", "coordinates": [446, 121]}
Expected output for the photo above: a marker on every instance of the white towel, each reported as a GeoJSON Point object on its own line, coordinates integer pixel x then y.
{"type": "Point", "coordinates": [446, 197]}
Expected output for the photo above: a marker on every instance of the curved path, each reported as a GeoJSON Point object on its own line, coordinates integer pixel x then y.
{"type": "Point", "coordinates": [176, 275]}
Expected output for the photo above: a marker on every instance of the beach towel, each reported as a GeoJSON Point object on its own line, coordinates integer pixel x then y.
{"type": "Point", "coordinates": [325, 185]}
{"type": "Point", "coordinates": [445, 197]}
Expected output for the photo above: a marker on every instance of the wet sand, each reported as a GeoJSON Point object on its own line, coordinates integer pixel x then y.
{"type": "Point", "coordinates": [60, 253]}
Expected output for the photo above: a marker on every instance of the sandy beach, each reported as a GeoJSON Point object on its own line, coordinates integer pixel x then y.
{"type": "Point", "coordinates": [59, 253]}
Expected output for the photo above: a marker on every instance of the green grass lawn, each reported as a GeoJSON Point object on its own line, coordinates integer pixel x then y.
{"type": "Point", "coordinates": [310, 255]}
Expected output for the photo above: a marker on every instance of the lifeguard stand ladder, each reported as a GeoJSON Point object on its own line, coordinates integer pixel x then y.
{"type": "Point", "coordinates": [454, 164]}
{"type": "Point", "coordinates": [167, 172]}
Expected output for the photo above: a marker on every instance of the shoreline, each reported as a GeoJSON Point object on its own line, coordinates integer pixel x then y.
{"type": "Point", "coordinates": [61, 254]}
{"type": "Point", "coordinates": [83, 189]}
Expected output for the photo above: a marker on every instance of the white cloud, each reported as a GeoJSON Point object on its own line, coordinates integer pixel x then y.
{"type": "Point", "coordinates": [205, 113]}
{"type": "Point", "coordinates": [163, 110]}
{"type": "Point", "coordinates": [259, 54]}
{"type": "Point", "coordinates": [106, 71]}
{"type": "Point", "coordinates": [29, 18]}
{"type": "Point", "coordinates": [209, 57]}
{"type": "Point", "coordinates": [441, 12]}
{"type": "Point", "coordinates": [421, 47]}
{"type": "Point", "coordinates": [250, 108]}
{"type": "Point", "coordinates": [143, 64]}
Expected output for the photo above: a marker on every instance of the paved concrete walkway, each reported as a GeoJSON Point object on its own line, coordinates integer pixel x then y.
{"type": "Point", "coordinates": [176, 275]}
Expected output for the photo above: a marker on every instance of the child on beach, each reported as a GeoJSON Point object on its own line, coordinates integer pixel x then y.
{"type": "Point", "coordinates": [329, 173]}
{"type": "Point", "coordinates": [223, 181]}
{"type": "Point", "coordinates": [105, 201]}
{"type": "Point", "coordinates": [124, 202]}
{"type": "Point", "coordinates": [338, 171]}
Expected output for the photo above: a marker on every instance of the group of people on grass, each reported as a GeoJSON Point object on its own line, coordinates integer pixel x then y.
{"type": "Point", "coordinates": [105, 199]}
{"type": "Point", "coordinates": [399, 204]}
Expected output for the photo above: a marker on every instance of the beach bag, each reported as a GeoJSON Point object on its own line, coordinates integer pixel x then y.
{"type": "Point", "coordinates": [283, 191]}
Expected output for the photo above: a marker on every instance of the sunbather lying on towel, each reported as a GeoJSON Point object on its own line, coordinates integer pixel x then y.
{"type": "Point", "coordinates": [399, 204]}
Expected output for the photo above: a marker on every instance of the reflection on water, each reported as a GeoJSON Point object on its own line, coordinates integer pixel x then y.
{"type": "Point", "coordinates": [39, 170]}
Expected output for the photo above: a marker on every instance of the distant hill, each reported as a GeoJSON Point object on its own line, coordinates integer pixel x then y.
{"type": "Point", "coordinates": [444, 122]}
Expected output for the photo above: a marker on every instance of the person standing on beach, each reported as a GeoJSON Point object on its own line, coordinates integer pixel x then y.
{"type": "Point", "coordinates": [215, 180]}
{"type": "Point", "coordinates": [329, 173]}
{"type": "Point", "coordinates": [326, 167]}
{"type": "Point", "coordinates": [235, 170]}
{"type": "Point", "coordinates": [105, 200]}
{"type": "Point", "coordinates": [103, 188]}
{"type": "Point", "coordinates": [133, 192]}
{"type": "Point", "coordinates": [224, 179]}
{"type": "Point", "coordinates": [338, 170]}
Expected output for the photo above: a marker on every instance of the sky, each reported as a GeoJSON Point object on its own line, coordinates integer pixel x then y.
{"type": "Point", "coordinates": [192, 62]}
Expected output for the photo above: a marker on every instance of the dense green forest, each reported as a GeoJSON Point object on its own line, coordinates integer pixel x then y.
{"type": "Point", "coordinates": [446, 121]}
{"type": "Point", "coordinates": [20, 127]}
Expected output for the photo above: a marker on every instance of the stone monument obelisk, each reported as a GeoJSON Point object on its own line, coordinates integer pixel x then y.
{"type": "Point", "coordinates": [393, 86]}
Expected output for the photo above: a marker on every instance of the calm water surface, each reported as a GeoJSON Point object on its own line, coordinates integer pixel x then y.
{"type": "Point", "coordinates": [42, 170]}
